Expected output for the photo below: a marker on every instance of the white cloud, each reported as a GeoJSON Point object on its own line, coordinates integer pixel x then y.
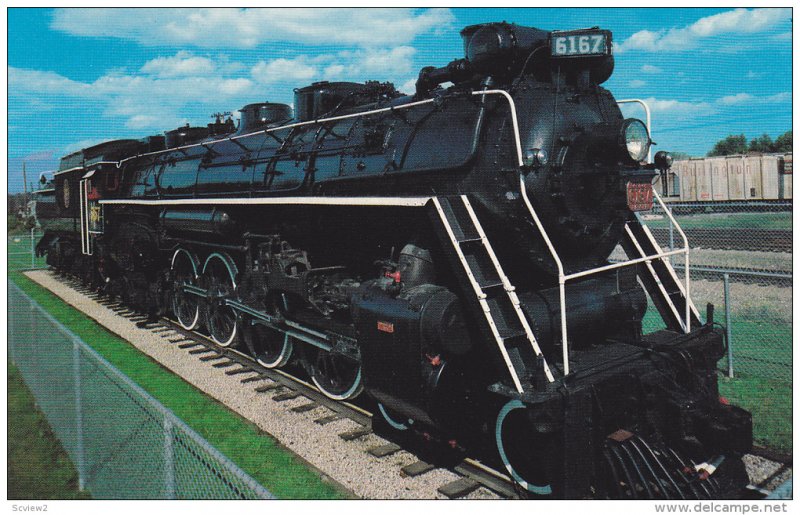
{"type": "Point", "coordinates": [637, 83]}
{"type": "Point", "coordinates": [649, 68]}
{"type": "Point", "coordinates": [747, 98]}
{"type": "Point", "coordinates": [736, 21]}
{"type": "Point", "coordinates": [679, 107]}
{"type": "Point", "coordinates": [738, 98]}
{"type": "Point", "coordinates": [371, 63]}
{"type": "Point", "coordinates": [78, 145]}
{"type": "Point", "coordinates": [779, 98]}
{"type": "Point", "coordinates": [247, 28]}
{"type": "Point", "coordinates": [681, 110]}
{"type": "Point", "coordinates": [409, 87]}
{"type": "Point", "coordinates": [181, 64]}
{"type": "Point", "coordinates": [284, 70]}
{"type": "Point", "coordinates": [144, 101]}
{"type": "Point", "coordinates": [21, 80]}
{"type": "Point", "coordinates": [352, 65]}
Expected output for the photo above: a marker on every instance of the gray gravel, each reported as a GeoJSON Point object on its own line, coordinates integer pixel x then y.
{"type": "Point", "coordinates": [348, 463]}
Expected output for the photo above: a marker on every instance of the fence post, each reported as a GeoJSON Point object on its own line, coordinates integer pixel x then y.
{"type": "Point", "coordinates": [33, 248]}
{"type": "Point", "coordinates": [728, 332]}
{"type": "Point", "coordinates": [671, 235]}
{"type": "Point", "coordinates": [169, 460]}
{"type": "Point", "coordinates": [76, 368]}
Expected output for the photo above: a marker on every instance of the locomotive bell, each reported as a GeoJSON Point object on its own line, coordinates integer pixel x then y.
{"type": "Point", "coordinates": [663, 160]}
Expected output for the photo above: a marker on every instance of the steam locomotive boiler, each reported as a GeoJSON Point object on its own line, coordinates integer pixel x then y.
{"type": "Point", "coordinates": [444, 252]}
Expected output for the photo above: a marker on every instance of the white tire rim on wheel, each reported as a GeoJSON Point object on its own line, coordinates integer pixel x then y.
{"type": "Point", "coordinates": [194, 323]}
{"type": "Point", "coordinates": [231, 267]}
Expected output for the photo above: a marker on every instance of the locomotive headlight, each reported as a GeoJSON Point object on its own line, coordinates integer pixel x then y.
{"type": "Point", "coordinates": [635, 139]}
{"type": "Point", "coordinates": [534, 157]}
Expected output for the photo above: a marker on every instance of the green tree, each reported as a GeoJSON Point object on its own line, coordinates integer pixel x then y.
{"type": "Point", "coordinates": [729, 146]}
{"type": "Point", "coordinates": [783, 143]}
{"type": "Point", "coordinates": [680, 156]}
{"type": "Point", "coordinates": [762, 143]}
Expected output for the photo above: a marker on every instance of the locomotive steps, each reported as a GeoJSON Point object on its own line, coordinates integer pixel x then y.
{"type": "Point", "coordinates": [335, 438]}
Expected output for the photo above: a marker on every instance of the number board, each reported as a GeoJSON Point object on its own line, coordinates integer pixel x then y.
{"type": "Point", "coordinates": [640, 196]}
{"type": "Point", "coordinates": [580, 43]}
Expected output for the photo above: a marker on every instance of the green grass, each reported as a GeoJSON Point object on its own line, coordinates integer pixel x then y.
{"type": "Point", "coordinates": [38, 467]}
{"type": "Point", "coordinates": [256, 452]}
{"type": "Point", "coordinates": [781, 220]}
{"type": "Point", "coordinates": [19, 252]}
{"type": "Point", "coordinates": [770, 402]}
{"type": "Point", "coordinates": [762, 348]}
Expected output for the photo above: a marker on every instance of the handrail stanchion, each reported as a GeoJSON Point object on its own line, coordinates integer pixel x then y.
{"type": "Point", "coordinates": [686, 273]}
{"type": "Point", "coordinates": [562, 279]}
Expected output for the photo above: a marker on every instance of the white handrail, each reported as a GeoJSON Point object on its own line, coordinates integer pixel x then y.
{"type": "Point", "coordinates": [686, 257]}
{"type": "Point", "coordinates": [324, 120]}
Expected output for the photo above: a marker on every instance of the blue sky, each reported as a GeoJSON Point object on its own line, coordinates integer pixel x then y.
{"type": "Point", "coordinates": [81, 76]}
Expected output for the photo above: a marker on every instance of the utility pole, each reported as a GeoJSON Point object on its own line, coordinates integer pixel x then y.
{"type": "Point", "coordinates": [25, 189]}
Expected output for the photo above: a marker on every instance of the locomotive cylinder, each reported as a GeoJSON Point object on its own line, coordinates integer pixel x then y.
{"type": "Point", "coordinates": [595, 308]}
{"type": "Point", "coordinates": [214, 222]}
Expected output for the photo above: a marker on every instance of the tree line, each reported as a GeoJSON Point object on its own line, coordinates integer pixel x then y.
{"type": "Point", "coordinates": [737, 144]}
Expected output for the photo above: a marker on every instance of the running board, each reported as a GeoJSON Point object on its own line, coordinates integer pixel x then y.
{"type": "Point", "coordinates": [660, 280]}
{"type": "Point", "coordinates": [503, 319]}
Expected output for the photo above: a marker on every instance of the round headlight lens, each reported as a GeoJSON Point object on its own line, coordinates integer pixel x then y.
{"type": "Point", "coordinates": [636, 139]}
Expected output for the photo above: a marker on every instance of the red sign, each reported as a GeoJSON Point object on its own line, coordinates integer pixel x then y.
{"type": "Point", "coordinates": [640, 196]}
{"type": "Point", "coordinates": [386, 327]}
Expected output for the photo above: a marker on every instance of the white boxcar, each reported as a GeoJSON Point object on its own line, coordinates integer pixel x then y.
{"type": "Point", "coordinates": [735, 170]}
{"type": "Point", "coordinates": [752, 177]}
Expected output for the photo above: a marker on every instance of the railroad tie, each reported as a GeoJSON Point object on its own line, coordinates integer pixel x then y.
{"type": "Point", "coordinates": [459, 488]}
{"type": "Point", "coordinates": [328, 419]}
{"type": "Point", "coordinates": [224, 364]}
{"type": "Point", "coordinates": [355, 433]}
{"type": "Point", "coordinates": [384, 450]}
{"type": "Point", "coordinates": [254, 378]}
{"type": "Point", "coordinates": [161, 329]}
{"type": "Point", "coordinates": [305, 407]}
{"type": "Point", "coordinates": [213, 357]}
{"type": "Point", "coordinates": [236, 371]}
{"type": "Point", "coordinates": [204, 350]}
{"type": "Point", "coordinates": [268, 387]}
{"type": "Point", "coordinates": [188, 345]}
{"type": "Point", "coordinates": [417, 468]}
{"type": "Point", "coordinates": [292, 394]}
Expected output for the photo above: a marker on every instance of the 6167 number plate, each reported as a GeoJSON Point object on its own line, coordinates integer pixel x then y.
{"type": "Point", "coordinates": [579, 44]}
{"type": "Point", "coordinates": [640, 196]}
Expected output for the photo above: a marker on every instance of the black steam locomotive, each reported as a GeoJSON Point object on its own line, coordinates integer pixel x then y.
{"type": "Point", "coordinates": [420, 248]}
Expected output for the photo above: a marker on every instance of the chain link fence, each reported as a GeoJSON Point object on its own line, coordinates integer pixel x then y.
{"type": "Point", "coordinates": [741, 261]}
{"type": "Point", "coordinates": [124, 443]}
{"type": "Point", "coordinates": [22, 250]}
